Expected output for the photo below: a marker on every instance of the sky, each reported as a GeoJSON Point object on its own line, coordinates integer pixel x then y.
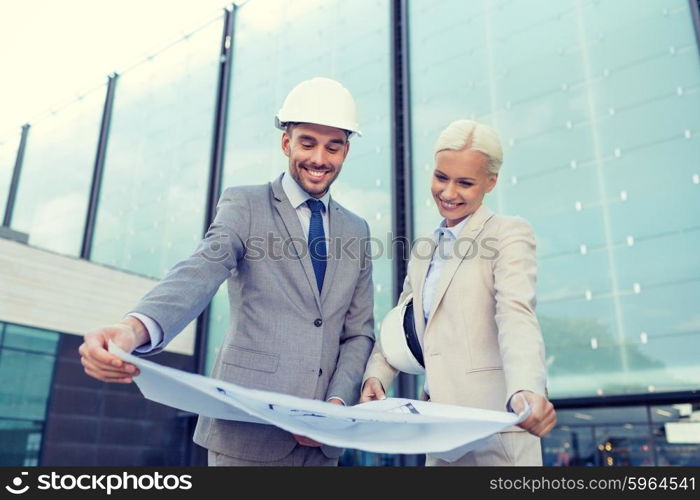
{"type": "Point", "coordinates": [52, 51]}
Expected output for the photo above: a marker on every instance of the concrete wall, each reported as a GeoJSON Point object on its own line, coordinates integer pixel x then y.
{"type": "Point", "coordinates": [65, 294]}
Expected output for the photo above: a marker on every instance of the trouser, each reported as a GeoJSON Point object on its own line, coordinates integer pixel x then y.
{"type": "Point", "coordinates": [502, 448]}
{"type": "Point", "coordinates": [307, 456]}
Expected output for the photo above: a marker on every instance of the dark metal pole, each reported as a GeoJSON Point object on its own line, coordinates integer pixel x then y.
{"type": "Point", "coordinates": [216, 163]}
{"type": "Point", "coordinates": [98, 169]}
{"type": "Point", "coordinates": [49, 399]}
{"type": "Point", "coordinates": [216, 167]}
{"type": "Point", "coordinates": [401, 171]}
{"type": "Point", "coordinates": [652, 441]}
{"type": "Point", "coordinates": [655, 398]}
{"type": "Point", "coordinates": [401, 162]}
{"type": "Point", "coordinates": [14, 183]}
{"type": "Point", "coordinates": [401, 140]}
{"type": "Point", "coordinates": [695, 13]}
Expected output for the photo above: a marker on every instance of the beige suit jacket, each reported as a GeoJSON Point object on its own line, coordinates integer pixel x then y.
{"type": "Point", "coordinates": [482, 342]}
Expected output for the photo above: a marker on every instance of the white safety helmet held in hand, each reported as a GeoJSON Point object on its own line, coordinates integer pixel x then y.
{"type": "Point", "coordinates": [321, 101]}
{"type": "Point", "coordinates": [399, 341]}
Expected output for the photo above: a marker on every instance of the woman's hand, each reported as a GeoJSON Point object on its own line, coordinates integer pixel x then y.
{"type": "Point", "coordinates": [372, 390]}
{"type": "Point", "coordinates": [542, 419]}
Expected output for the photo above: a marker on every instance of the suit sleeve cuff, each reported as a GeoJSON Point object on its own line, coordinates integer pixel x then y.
{"type": "Point", "coordinates": [338, 398]}
{"type": "Point", "coordinates": [155, 333]}
{"type": "Point", "coordinates": [508, 406]}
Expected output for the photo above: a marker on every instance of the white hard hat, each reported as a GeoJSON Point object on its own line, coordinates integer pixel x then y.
{"type": "Point", "coordinates": [399, 341]}
{"type": "Point", "coordinates": [321, 101]}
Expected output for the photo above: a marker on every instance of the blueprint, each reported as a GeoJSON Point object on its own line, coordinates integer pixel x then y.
{"type": "Point", "coordinates": [393, 425]}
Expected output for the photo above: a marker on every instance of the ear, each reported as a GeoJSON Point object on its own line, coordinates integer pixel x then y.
{"type": "Point", "coordinates": [286, 147]}
{"type": "Point", "coordinates": [491, 183]}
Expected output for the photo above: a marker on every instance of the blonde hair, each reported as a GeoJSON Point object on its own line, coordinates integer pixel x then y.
{"type": "Point", "coordinates": [470, 135]}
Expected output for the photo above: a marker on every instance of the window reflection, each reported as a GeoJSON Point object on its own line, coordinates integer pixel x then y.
{"type": "Point", "coordinates": [24, 393]}
{"type": "Point", "coordinates": [567, 85]}
{"type": "Point", "coordinates": [151, 206]}
{"type": "Point", "coordinates": [625, 436]}
{"type": "Point", "coordinates": [56, 176]}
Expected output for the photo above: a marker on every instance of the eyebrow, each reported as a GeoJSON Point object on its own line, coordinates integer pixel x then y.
{"type": "Point", "coordinates": [458, 178]}
{"type": "Point", "coordinates": [341, 142]}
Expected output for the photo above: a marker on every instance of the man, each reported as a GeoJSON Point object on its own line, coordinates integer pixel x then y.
{"type": "Point", "coordinates": [304, 324]}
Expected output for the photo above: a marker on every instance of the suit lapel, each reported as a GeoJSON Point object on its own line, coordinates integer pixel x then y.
{"type": "Point", "coordinates": [423, 251]}
{"type": "Point", "coordinates": [290, 219]}
{"type": "Point", "coordinates": [469, 234]}
{"type": "Point", "coordinates": [335, 240]}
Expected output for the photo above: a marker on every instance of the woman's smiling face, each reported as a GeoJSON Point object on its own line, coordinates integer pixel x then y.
{"type": "Point", "coordinates": [460, 181]}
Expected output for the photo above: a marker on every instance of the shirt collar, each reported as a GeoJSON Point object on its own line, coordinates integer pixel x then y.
{"type": "Point", "coordinates": [297, 196]}
{"type": "Point", "coordinates": [453, 231]}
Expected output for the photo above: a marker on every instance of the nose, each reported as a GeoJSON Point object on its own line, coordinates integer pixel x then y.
{"type": "Point", "coordinates": [317, 157]}
{"type": "Point", "coordinates": [449, 192]}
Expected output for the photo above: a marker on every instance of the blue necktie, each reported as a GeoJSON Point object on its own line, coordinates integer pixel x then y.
{"type": "Point", "coordinates": [317, 242]}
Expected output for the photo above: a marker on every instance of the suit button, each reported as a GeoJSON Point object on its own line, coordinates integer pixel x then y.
{"type": "Point", "coordinates": [320, 372]}
{"type": "Point", "coordinates": [318, 322]}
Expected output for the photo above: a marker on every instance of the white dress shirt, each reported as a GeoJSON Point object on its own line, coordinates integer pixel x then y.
{"type": "Point", "coordinates": [445, 238]}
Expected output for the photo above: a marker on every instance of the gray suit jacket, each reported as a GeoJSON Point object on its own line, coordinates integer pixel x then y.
{"type": "Point", "coordinates": [284, 336]}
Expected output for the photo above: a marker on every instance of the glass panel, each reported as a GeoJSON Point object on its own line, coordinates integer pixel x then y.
{"type": "Point", "coordinates": [8, 156]}
{"type": "Point", "coordinates": [21, 442]}
{"type": "Point", "coordinates": [54, 187]}
{"type": "Point", "coordinates": [597, 106]}
{"type": "Point", "coordinates": [569, 446]}
{"type": "Point", "coordinates": [349, 42]}
{"type": "Point", "coordinates": [627, 445]}
{"type": "Point", "coordinates": [23, 392]}
{"type": "Point", "coordinates": [602, 416]}
{"type": "Point", "coordinates": [151, 208]}
{"type": "Point", "coordinates": [677, 434]}
{"type": "Point", "coordinates": [673, 413]}
{"type": "Point", "coordinates": [625, 436]}
{"type": "Point", "coordinates": [30, 339]}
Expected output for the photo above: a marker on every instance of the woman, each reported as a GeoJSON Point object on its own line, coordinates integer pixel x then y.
{"type": "Point", "coordinates": [473, 291]}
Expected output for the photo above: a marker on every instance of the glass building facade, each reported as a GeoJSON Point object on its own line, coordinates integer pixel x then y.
{"type": "Point", "coordinates": [27, 360]}
{"type": "Point", "coordinates": [54, 186]}
{"type": "Point", "coordinates": [597, 103]}
{"type": "Point", "coordinates": [153, 194]}
{"type": "Point", "coordinates": [599, 123]}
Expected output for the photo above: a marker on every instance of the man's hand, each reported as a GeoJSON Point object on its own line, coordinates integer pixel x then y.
{"type": "Point", "coordinates": [304, 441]}
{"type": "Point", "coordinates": [542, 418]}
{"type": "Point", "coordinates": [99, 363]}
{"type": "Point", "coordinates": [372, 390]}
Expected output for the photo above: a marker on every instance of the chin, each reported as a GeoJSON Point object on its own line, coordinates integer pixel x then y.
{"type": "Point", "coordinates": [453, 219]}
{"type": "Point", "coordinates": [315, 188]}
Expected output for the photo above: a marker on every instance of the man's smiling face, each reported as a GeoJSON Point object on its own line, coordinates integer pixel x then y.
{"type": "Point", "coordinates": [316, 154]}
